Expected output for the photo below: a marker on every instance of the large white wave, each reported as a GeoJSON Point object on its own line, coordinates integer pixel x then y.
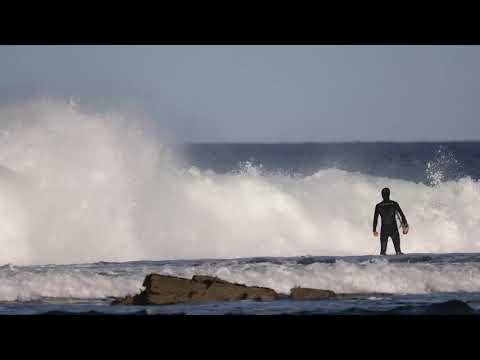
{"type": "Point", "coordinates": [78, 186]}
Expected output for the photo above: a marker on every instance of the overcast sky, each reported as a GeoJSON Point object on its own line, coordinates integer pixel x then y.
{"type": "Point", "coordinates": [264, 93]}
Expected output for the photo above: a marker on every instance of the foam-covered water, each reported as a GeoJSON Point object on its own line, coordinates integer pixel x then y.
{"type": "Point", "coordinates": [410, 274]}
{"type": "Point", "coordinates": [84, 187]}
{"type": "Point", "coordinates": [422, 278]}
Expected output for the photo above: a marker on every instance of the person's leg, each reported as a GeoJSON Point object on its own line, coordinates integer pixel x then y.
{"type": "Point", "coordinates": [383, 241]}
{"type": "Point", "coordinates": [396, 241]}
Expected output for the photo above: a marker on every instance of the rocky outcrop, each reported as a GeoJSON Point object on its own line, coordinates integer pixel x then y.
{"type": "Point", "coordinates": [451, 307]}
{"type": "Point", "coordinates": [299, 293]}
{"type": "Point", "coordinates": [164, 290]}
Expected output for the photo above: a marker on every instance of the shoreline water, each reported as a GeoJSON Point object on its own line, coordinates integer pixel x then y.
{"type": "Point", "coordinates": [421, 280]}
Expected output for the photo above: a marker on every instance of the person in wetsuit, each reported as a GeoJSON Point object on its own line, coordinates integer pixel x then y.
{"type": "Point", "coordinates": [387, 210]}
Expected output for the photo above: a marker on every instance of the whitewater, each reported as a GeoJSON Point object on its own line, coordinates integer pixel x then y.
{"type": "Point", "coordinates": [91, 202]}
{"type": "Point", "coordinates": [415, 274]}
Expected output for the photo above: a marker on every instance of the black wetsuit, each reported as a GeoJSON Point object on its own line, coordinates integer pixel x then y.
{"type": "Point", "coordinates": [387, 209]}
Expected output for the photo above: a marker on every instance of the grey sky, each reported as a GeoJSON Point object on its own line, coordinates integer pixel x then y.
{"type": "Point", "coordinates": [264, 93]}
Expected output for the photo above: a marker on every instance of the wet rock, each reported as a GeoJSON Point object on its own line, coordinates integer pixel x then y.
{"type": "Point", "coordinates": [165, 290]}
{"type": "Point", "coordinates": [300, 293]}
{"type": "Point", "coordinates": [208, 280]}
{"type": "Point", "coordinates": [451, 307]}
{"type": "Point", "coordinates": [127, 300]}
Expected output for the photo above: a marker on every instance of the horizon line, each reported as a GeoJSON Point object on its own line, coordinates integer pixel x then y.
{"type": "Point", "coordinates": [331, 142]}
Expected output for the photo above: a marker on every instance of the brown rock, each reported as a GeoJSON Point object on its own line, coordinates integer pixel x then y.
{"type": "Point", "coordinates": [208, 280]}
{"type": "Point", "coordinates": [127, 300]}
{"type": "Point", "coordinates": [299, 293]}
{"type": "Point", "coordinates": [163, 290]}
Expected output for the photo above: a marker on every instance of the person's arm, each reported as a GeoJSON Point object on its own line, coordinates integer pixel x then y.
{"type": "Point", "coordinates": [404, 219]}
{"type": "Point", "coordinates": [375, 219]}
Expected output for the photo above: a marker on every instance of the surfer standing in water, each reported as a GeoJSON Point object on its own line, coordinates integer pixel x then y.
{"type": "Point", "coordinates": [388, 209]}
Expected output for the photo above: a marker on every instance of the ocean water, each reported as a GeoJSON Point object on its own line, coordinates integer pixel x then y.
{"type": "Point", "coordinates": [91, 203]}
{"type": "Point", "coordinates": [410, 284]}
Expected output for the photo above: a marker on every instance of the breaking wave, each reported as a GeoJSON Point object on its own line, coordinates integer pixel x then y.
{"type": "Point", "coordinates": [77, 186]}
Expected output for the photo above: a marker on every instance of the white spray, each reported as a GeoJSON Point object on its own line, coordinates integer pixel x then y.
{"type": "Point", "coordinates": [84, 187]}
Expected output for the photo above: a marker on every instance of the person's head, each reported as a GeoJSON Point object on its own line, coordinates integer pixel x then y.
{"type": "Point", "coordinates": [386, 194]}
